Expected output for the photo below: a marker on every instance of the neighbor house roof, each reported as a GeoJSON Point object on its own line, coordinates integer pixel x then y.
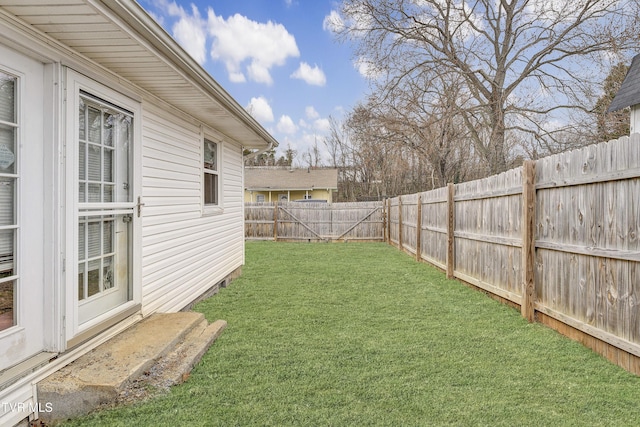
{"type": "Point", "coordinates": [121, 38]}
{"type": "Point", "coordinates": [266, 179]}
{"type": "Point", "coordinates": [629, 93]}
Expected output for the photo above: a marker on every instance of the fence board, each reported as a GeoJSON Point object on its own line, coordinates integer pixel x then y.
{"type": "Point", "coordinates": [314, 221]}
{"type": "Point", "coordinates": [579, 260]}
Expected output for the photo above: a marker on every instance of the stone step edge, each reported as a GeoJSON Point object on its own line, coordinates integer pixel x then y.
{"type": "Point", "coordinates": [175, 367]}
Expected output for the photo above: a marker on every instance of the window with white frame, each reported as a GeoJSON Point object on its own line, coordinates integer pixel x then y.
{"type": "Point", "coordinates": [8, 185]}
{"type": "Point", "coordinates": [211, 173]}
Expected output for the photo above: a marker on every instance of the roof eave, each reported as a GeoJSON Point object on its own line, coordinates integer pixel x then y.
{"type": "Point", "coordinates": [139, 20]}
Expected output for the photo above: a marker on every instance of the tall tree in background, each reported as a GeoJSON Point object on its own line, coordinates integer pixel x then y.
{"type": "Point", "coordinates": [612, 125]}
{"type": "Point", "coordinates": [523, 65]}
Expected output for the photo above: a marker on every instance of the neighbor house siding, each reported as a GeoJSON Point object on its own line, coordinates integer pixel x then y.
{"type": "Point", "coordinates": [185, 252]}
{"type": "Point", "coordinates": [252, 196]}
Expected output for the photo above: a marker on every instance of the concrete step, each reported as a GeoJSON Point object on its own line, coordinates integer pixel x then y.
{"type": "Point", "coordinates": [159, 351]}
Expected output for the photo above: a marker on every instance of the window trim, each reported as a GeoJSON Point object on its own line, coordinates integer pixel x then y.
{"type": "Point", "coordinates": [218, 208]}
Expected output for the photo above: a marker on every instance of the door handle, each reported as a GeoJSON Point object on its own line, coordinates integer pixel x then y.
{"type": "Point", "coordinates": [139, 205]}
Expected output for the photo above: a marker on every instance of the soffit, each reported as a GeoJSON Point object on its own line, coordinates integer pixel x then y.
{"type": "Point", "coordinates": [121, 37]}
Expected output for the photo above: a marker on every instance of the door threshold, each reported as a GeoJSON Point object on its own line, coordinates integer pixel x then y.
{"type": "Point", "coordinates": [106, 324]}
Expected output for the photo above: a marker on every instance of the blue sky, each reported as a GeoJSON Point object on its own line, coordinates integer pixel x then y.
{"type": "Point", "coordinates": [278, 58]}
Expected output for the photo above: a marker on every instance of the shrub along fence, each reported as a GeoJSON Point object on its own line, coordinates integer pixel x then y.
{"type": "Point", "coordinates": [557, 237]}
{"type": "Point", "coordinates": [296, 221]}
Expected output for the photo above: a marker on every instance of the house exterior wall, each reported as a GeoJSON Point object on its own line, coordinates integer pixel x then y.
{"type": "Point", "coordinates": [185, 250]}
{"type": "Point", "coordinates": [272, 196]}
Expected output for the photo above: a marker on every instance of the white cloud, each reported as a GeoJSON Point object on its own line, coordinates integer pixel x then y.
{"type": "Point", "coordinates": [311, 112]}
{"type": "Point", "coordinates": [312, 75]}
{"type": "Point", "coordinates": [189, 30]}
{"type": "Point", "coordinates": [366, 69]}
{"type": "Point", "coordinates": [260, 109]}
{"type": "Point", "coordinates": [238, 40]}
{"type": "Point", "coordinates": [322, 125]}
{"type": "Point", "coordinates": [286, 125]}
{"type": "Point", "coordinates": [333, 22]}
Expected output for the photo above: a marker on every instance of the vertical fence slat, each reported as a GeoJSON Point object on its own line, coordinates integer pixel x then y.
{"type": "Point", "coordinates": [275, 221]}
{"type": "Point", "coordinates": [528, 240]}
{"type": "Point", "coordinates": [419, 230]}
{"type": "Point", "coordinates": [400, 223]}
{"type": "Point", "coordinates": [450, 229]}
{"type": "Point", "coordinates": [388, 228]}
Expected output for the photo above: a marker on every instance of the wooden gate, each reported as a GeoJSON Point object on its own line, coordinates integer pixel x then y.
{"type": "Point", "coordinates": [300, 221]}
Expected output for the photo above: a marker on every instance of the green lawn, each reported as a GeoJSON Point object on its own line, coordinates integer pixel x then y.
{"type": "Point", "coordinates": [361, 334]}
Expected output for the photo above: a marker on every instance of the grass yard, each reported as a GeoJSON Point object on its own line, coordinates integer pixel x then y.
{"type": "Point", "coordinates": [361, 334]}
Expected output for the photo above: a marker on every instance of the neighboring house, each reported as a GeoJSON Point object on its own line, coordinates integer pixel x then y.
{"type": "Point", "coordinates": [270, 184]}
{"type": "Point", "coordinates": [121, 180]}
{"type": "Point", "coordinates": [629, 95]}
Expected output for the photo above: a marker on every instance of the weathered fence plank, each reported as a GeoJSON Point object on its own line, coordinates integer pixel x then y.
{"type": "Point", "coordinates": [528, 240]}
{"type": "Point", "coordinates": [314, 221]}
{"type": "Point", "coordinates": [559, 236]}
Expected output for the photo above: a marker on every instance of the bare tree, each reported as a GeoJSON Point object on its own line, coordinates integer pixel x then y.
{"type": "Point", "coordinates": [616, 124]}
{"type": "Point", "coordinates": [522, 65]}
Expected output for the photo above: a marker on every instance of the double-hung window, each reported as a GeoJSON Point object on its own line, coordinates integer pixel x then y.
{"type": "Point", "coordinates": [211, 173]}
{"type": "Point", "coordinates": [8, 185]}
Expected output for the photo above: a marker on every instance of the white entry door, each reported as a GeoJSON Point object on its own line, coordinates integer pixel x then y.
{"type": "Point", "coordinates": [22, 285]}
{"type": "Point", "coordinates": [103, 138]}
{"type": "Point", "coordinates": [105, 212]}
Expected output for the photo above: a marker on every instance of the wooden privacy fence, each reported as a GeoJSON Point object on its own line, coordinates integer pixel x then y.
{"type": "Point", "coordinates": [314, 221]}
{"type": "Point", "coordinates": [558, 237]}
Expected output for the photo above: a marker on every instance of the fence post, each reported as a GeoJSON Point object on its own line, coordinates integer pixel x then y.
{"type": "Point", "coordinates": [419, 230]}
{"type": "Point", "coordinates": [450, 230]}
{"type": "Point", "coordinates": [400, 222]}
{"type": "Point", "coordinates": [384, 220]}
{"type": "Point", "coordinates": [528, 240]}
{"type": "Point", "coordinates": [275, 221]}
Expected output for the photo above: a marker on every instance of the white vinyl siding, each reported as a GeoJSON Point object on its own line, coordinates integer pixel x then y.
{"type": "Point", "coordinates": [184, 252]}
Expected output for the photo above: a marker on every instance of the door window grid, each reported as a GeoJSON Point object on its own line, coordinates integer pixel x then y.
{"type": "Point", "coordinates": [104, 133]}
{"type": "Point", "coordinates": [9, 230]}
{"type": "Point", "coordinates": [96, 153]}
{"type": "Point", "coordinates": [96, 252]}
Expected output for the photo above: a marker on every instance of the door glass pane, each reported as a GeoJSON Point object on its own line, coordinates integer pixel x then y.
{"type": "Point", "coordinates": [7, 253]}
{"type": "Point", "coordinates": [7, 201]}
{"type": "Point", "coordinates": [94, 193]}
{"type": "Point", "coordinates": [93, 238]}
{"type": "Point", "coordinates": [95, 125]}
{"type": "Point", "coordinates": [107, 238]}
{"type": "Point", "coordinates": [121, 162]}
{"type": "Point", "coordinates": [107, 165]}
{"type": "Point", "coordinates": [82, 160]}
{"type": "Point", "coordinates": [82, 120]}
{"type": "Point", "coordinates": [7, 98]}
{"type": "Point", "coordinates": [7, 302]}
{"type": "Point", "coordinates": [93, 277]}
{"type": "Point", "coordinates": [108, 129]}
{"type": "Point", "coordinates": [82, 281]}
{"type": "Point", "coordinates": [7, 286]}
{"type": "Point", "coordinates": [94, 163]}
{"type": "Point", "coordinates": [107, 273]}
{"type": "Point", "coordinates": [7, 149]}
{"type": "Point", "coordinates": [9, 280]}
{"type": "Point", "coordinates": [82, 241]}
